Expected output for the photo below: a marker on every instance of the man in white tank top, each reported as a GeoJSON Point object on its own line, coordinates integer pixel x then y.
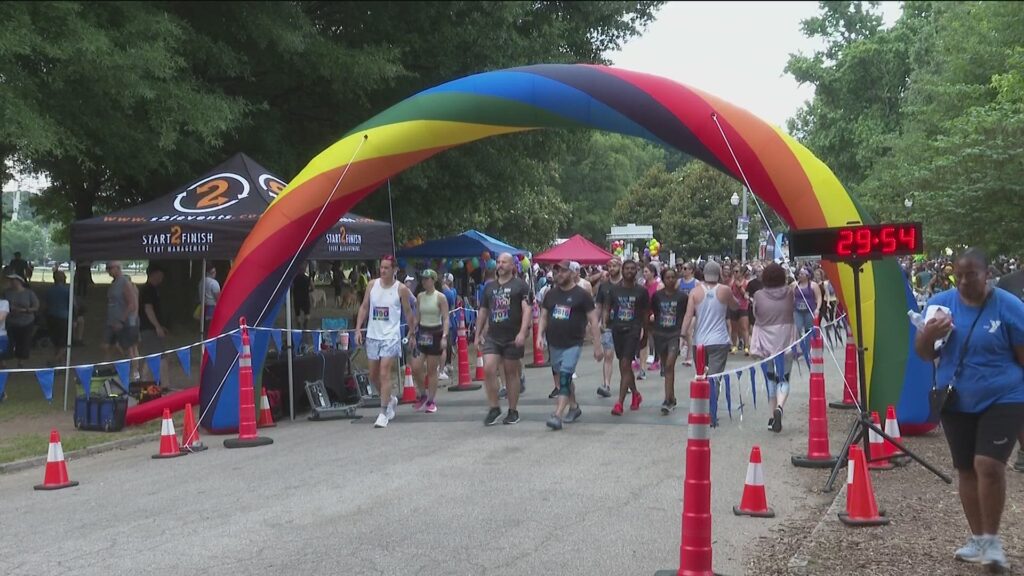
{"type": "Point", "coordinates": [708, 305]}
{"type": "Point", "coordinates": [383, 304]}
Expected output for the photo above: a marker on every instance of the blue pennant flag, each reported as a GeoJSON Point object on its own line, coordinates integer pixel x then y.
{"type": "Point", "coordinates": [260, 345]}
{"type": "Point", "coordinates": [753, 385]}
{"type": "Point", "coordinates": [764, 372]}
{"type": "Point", "coordinates": [3, 382]}
{"type": "Point", "coordinates": [85, 377]}
{"type": "Point", "coordinates": [185, 357]}
{"type": "Point", "coordinates": [296, 341]}
{"type": "Point", "coordinates": [124, 368]}
{"type": "Point", "coordinates": [236, 337]}
{"type": "Point", "coordinates": [714, 402]}
{"type": "Point", "coordinates": [728, 394]}
{"type": "Point", "coordinates": [45, 378]}
{"type": "Point", "coordinates": [211, 350]}
{"type": "Point", "coordinates": [154, 366]}
{"type": "Point", "coordinates": [316, 341]}
{"type": "Point", "coordinates": [276, 335]}
{"type": "Point", "coordinates": [805, 348]}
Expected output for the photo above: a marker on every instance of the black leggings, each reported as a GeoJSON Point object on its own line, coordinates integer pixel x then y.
{"type": "Point", "coordinates": [21, 340]}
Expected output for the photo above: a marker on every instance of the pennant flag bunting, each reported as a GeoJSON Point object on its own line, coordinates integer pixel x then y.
{"type": "Point", "coordinates": [211, 350]}
{"type": "Point", "coordinates": [728, 394]}
{"type": "Point", "coordinates": [276, 335]}
{"type": "Point", "coordinates": [753, 385]}
{"type": "Point", "coordinates": [764, 372]}
{"type": "Point", "coordinates": [124, 368]}
{"type": "Point", "coordinates": [85, 377]}
{"type": "Point", "coordinates": [714, 402]}
{"type": "Point", "coordinates": [3, 382]}
{"type": "Point", "coordinates": [185, 358]}
{"type": "Point", "coordinates": [260, 345]}
{"type": "Point", "coordinates": [296, 340]}
{"type": "Point", "coordinates": [45, 378]}
{"type": "Point", "coordinates": [317, 336]}
{"type": "Point", "coordinates": [154, 366]}
{"type": "Point", "coordinates": [236, 337]}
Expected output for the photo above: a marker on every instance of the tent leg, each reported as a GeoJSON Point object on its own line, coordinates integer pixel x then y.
{"type": "Point", "coordinates": [288, 345]}
{"type": "Point", "coordinates": [71, 324]}
{"type": "Point", "coordinates": [202, 304]}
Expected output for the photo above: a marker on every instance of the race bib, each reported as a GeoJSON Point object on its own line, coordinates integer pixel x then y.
{"type": "Point", "coordinates": [667, 315]}
{"type": "Point", "coordinates": [560, 312]}
{"type": "Point", "coordinates": [381, 313]}
{"type": "Point", "coordinates": [500, 308]}
{"type": "Point", "coordinates": [627, 309]}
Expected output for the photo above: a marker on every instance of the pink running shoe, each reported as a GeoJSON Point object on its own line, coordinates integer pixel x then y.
{"type": "Point", "coordinates": [636, 365]}
{"type": "Point", "coordinates": [431, 407]}
{"type": "Point", "coordinates": [421, 404]}
{"type": "Point", "coordinates": [656, 365]}
{"type": "Point", "coordinates": [634, 404]}
{"type": "Point", "coordinates": [617, 410]}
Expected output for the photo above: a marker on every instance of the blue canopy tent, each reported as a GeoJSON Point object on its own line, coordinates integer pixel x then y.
{"type": "Point", "coordinates": [469, 244]}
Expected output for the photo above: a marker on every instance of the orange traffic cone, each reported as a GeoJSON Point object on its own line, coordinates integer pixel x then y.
{"type": "Point", "coordinates": [892, 430]}
{"type": "Point", "coordinates": [247, 437]}
{"type": "Point", "coordinates": [861, 508]}
{"type": "Point", "coordinates": [409, 388]}
{"type": "Point", "coordinates": [190, 441]}
{"type": "Point", "coordinates": [168, 439]}
{"type": "Point", "coordinates": [266, 418]}
{"type": "Point", "coordinates": [879, 451]}
{"type": "Point", "coordinates": [56, 476]}
{"type": "Point", "coordinates": [755, 500]}
{"type": "Point", "coordinates": [478, 376]}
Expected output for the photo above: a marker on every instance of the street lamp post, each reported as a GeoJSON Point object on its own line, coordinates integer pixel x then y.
{"type": "Point", "coordinates": [742, 224]}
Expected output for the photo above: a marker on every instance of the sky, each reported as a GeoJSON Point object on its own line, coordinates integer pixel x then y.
{"type": "Point", "coordinates": [734, 50]}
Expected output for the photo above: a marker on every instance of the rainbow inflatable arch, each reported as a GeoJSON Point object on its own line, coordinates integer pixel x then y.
{"type": "Point", "coordinates": [779, 170]}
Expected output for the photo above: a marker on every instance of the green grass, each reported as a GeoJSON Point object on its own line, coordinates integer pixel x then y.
{"type": "Point", "coordinates": [22, 446]}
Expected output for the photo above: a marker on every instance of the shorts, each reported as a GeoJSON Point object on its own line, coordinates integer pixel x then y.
{"type": "Point", "coordinates": [151, 343]}
{"type": "Point", "coordinates": [738, 314]}
{"type": "Point", "coordinates": [302, 308]}
{"type": "Point", "coordinates": [991, 433]}
{"type": "Point", "coordinates": [716, 356]}
{"type": "Point", "coordinates": [626, 341]}
{"type": "Point", "coordinates": [564, 360]}
{"type": "Point", "coordinates": [666, 345]}
{"type": "Point", "coordinates": [126, 337]}
{"type": "Point", "coordinates": [506, 349]}
{"type": "Point", "coordinates": [377, 349]}
{"type": "Point", "coordinates": [606, 340]}
{"type": "Point", "coordinates": [57, 329]}
{"type": "Point", "coordinates": [430, 340]}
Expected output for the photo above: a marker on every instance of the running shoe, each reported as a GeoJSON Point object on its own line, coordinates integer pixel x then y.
{"type": "Point", "coordinates": [555, 423]}
{"type": "Point", "coordinates": [777, 420]}
{"type": "Point", "coordinates": [642, 375]}
{"type": "Point", "coordinates": [604, 391]}
{"type": "Point", "coordinates": [443, 375]}
{"type": "Point", "coordinates": [636, 365]}
{"type": "Point", "coordinates": [421, 403]}
{"type": "Point", "coordinates": [651, 360]}
{"type": "Point", "coordinates": [687, 362]}
{"type": "Point", "coordinates": [970, 552]}
{"type": "Point", "coordinates": [390, 412]}
{"type": "Point", "coordinates": [734, 350]}
{"type": "Point", "coordinates": [492, 417]}
{"type": "Point", "coordinates": [993, 557]}
{"type": "Point", "coordinates": [502, 392]}
{"type": "Point", "coordinates": [382, 421]}
{"type": "Point", "coordinates": [573, 415]}
{"type": "Point", "coordinates": [431, 407]}
{"type": "Point", "coordinates": [554, 393]}
{"type": "Point", "coordinates": [617, 410]}
{"type": "Point", "coordinates": [668, 406]}
{"type": "Point", "coordinates": [771, 424]}
{"type": "Point", "coordinates": [746, 350]}
{"type": "Point", "coordinates": [511, 418]}
{"type": "Point", "coordinates": [1019, 464]}
{"type": "Point", "coordinates": [634, 404]}
{"type": "Point", "coordinates": [655, 366]}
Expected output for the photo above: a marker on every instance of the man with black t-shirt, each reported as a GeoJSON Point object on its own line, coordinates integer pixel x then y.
{"type": "Point", "coordinates": [568, 310]}
{"type": "Point", "coordinates": [613, 277]}
{"type": "Point", "coordinates": [1014, 284]}
{"type": "Point", "coordinates": [502, 323]}
{"type": "Point", "coordinates": [625, 313]}
{"type": "Point", "coordinates": [151, 328]}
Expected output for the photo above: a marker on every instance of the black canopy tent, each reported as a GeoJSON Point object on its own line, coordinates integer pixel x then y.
{"type": "Point", "coordinates": [209, 219]}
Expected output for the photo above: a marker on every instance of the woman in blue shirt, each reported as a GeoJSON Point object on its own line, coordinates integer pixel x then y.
{"type": "Point", "coordinates": [983, 359]}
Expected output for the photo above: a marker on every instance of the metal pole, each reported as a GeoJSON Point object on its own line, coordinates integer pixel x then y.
{"type": "Point", "coordinates": [288, 346]}
{"type": "Point", "coordinates": [202, 304]}
{"type": "Point", "coordinates": [71, 323]}
{"type": "Point", "coordinates": [746, 223]}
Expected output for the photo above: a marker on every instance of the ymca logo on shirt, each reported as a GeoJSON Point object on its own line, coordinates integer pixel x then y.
{"type": "Point", "coordinates": [993, 325]}
{"type": "Point", "coordinates": [561, 312]}
{"type": "Point", "coordinates": [627, 308]}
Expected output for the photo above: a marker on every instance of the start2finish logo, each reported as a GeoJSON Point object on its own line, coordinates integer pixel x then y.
{"type": "Point", "coordinates": [177, 240]}
{"type": "Point", "coordinates": [213, 193]}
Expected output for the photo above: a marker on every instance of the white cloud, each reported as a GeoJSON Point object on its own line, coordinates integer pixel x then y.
{"type": "Point", "coordinates": [734, 50]}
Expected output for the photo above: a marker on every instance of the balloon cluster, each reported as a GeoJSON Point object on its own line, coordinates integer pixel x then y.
{"type": "Point", "coordinates": [653, 248]}
{"type": "Point", "coordinates": [485, 261]}
{"type": "Point", "coordinates": [618, 248]}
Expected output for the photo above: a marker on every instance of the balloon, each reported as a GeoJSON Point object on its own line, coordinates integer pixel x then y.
{"type": "Point", "coordinates": [476, 262]}
{"type": "Point", "coordinates": [526, 262]}
{"type": "Point", "coordinates": [493, 265]}
{"type": "Point", "coordinates": [486, 256]}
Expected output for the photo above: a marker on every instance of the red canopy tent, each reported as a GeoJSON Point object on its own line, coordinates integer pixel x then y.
{"type": "Point", "coordinates": [576, 248]}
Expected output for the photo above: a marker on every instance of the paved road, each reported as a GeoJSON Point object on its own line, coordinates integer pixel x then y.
{"type": "Point", "coordinates": [432, 494]}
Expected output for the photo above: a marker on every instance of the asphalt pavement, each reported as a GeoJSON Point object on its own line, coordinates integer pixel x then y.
{"type": "Point", "coordinates": [432, 494]}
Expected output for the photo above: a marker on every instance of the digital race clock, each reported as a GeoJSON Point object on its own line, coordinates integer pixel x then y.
{"type": "Point", "coordinates": [859, 242]}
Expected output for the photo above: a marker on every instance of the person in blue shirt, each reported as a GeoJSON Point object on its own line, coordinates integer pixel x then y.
{"type": "Point", "coordinates": [983, 359]}
{"type": "Point", "coordinates": [57, 316]}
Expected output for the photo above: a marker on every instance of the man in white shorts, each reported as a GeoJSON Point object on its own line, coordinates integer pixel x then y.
{"type": "Point", "coordinates": [383, 304]}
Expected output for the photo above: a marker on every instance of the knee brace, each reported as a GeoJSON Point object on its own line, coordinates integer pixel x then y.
{"type": "Point", "coordinates": [564, 384]}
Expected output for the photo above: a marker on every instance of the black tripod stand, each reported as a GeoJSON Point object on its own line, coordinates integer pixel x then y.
{"type": "Point", "coordinates": [863, 425]}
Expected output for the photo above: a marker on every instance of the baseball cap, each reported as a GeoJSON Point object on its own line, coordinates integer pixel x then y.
{"type": "Point", "coordinates": [562, 265]}
{"type": "Point", "coordinates": [428, 273]}
{"type": "Point", "coordinates": [574, 266]}
{"type": "Point", "coordinates": [409, 278]}
{"type": "Point", "coordinates": [449, 277]}
{"type": "Point", "coordinates": [712, 271]}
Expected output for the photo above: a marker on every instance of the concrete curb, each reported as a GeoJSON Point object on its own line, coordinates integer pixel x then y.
{"type": "Point", "coordinates": [800, 563]}
{"type": "Point", "coordinates": [89, 451]}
